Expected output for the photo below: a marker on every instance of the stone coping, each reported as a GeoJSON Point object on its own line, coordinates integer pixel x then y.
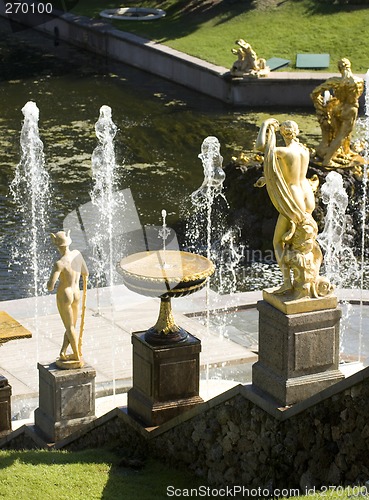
{"type": "Point", "coordinates": [248, 391]}
{"type": "Point", "coordinates": [189, 306]}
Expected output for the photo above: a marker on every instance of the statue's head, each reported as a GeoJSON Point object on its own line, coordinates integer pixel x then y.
{"type": "Point", "coordinates": [61, 239]}
{"type": "Point", "coordinates": [244, 45]}
{"type": "Point", "coordinates": [289, 129]}
{"type": "Point", "coordinates": [344, 65]}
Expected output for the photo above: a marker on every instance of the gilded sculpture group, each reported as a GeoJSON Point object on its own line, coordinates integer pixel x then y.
{"type": "Point", "coordinates": [248, 63]}
{"type": "Point", "coordinates": [336, 102]}
{"type": "Point", "coordinates": [297, 252]}
{"type": "Point", "coordinates": [285, 168]}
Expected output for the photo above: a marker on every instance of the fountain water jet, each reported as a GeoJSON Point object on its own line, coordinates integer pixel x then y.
{"type": "Point", "coordinates": [339, 260]}
{"type": "Point", "coordinates": [208, 225]}
{"type": "Point", "coordinates": [164, 232]}
{"type": "Point", "coordinates": [364, 203]}
{"type": "Point", "coordinates": [103, 197]}
{"type": "Point", "coordinates": [31, 192]}
{"type": "Point", "coordinates": [340, 263]}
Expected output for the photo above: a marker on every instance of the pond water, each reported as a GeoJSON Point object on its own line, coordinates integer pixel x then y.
{"type": "Point", "coordinates": [161, 128]}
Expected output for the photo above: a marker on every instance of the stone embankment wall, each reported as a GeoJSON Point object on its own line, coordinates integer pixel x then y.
{"type": "Point", "coordinates": [239, 443]}
{"type": "Point", "coordinates": [241, 438]}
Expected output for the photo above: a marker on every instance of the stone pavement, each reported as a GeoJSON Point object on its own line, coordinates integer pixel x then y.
{"type": "Point", "coordinates": [111, 318]}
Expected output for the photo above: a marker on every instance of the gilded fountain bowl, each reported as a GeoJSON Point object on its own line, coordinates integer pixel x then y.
{"type": "Point", "coordinates": [165, 273]}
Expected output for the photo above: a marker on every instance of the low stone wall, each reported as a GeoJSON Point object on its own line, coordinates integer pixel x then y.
{"type": "Point", "coordinates": [242, 438]}
{"type": "Point", "coordinates": [114, 430]}
{"type": "Point", "coordinates": [312, 444]}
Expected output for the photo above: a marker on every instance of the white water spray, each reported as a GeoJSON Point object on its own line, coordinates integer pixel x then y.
{"type": "Point", "coordinates": [339, 260]}
{"type": "Point", "coordinates": [31, 192]}
{"type": "Point", "coordinates": [102, 196]}
{"type": "Point", "coordinates": [164, 232]}
{"type": "Point", "coordinates": [364, 203]}
{"type": "Point", "coordinates": [340, 264]}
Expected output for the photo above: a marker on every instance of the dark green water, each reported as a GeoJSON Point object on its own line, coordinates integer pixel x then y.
{"type": "Point", "coordinates": [161, 128]}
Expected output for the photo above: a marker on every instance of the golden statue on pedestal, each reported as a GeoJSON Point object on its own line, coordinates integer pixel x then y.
{"type": "Point", "coordinates": [337, 102]}
{"type": "Point", "coordinates": [248, 63]}
{"type": "Point", "coordinates": [295, 246]}
{"type": "Point", "coordinates": [68, 270]}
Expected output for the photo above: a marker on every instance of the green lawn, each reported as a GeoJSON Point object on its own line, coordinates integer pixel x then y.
{"type": "Point", "coordinates": [99, 474]}
{"type": "Point", "coordinates": [292, 27]}
{"type": "Point", "coordinates": [87, 475]}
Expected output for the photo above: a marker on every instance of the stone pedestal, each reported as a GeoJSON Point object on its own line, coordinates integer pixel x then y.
{"type": "Point", "coordinates": [166, 379]}
{"type": "Point", "coordinates": [298, 353]}
{"type": "Point", "coordinates": [66, 400]}
{"type": "Point", "coordinates": [5, 405]}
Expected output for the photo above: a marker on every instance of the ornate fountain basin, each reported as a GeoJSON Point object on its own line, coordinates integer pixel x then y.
{"type": "Point", "coordinates": [132, 14]}
{"type": "Point", "coordinates": [165, 274]}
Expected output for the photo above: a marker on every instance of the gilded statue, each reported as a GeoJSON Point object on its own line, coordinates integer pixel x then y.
{"type": "Point", "coordinates": [336, 103]}
{"type": "Point", "coordinates": [296, 250]}
{"type": "Point", "coordinates": [68, 270]}
{"type": "Point", "coordinates": [248, 63]}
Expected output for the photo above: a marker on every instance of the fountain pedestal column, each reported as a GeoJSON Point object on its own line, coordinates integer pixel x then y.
{"type": "Point", "coordinates": [166, 358]}
{"type": "Point", "coordinates": [66, 400]}
{"type": "Point", "coordinates": [298, 348]}
{"type": "Point", "coordinates": [165, 379]}
{"type": "Point", "coordinates": [5, 407]}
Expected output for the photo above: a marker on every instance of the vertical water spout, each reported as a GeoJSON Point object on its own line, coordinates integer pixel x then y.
{"type": "Point", "coordinates": [212, 184]}
{"type": "Point", "coordinates": [31, 192]}
{"type": "Point", "coordinates": [102, 195]}
{"type": "Point", "coordinates": [340, 263]}
{"type": "Point", "coordinates": [164, 232]}
{"type": "Point", "coordinates": [203, 198]}
{"type": "Point", "coordinates": [209, 227]}
{"type": "Point", "coordinates": [30, 188]}
{"type": "Point", "coordinates": [364, 208]}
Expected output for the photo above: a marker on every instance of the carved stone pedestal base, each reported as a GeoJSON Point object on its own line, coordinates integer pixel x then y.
{"type": "Point", "coordinates": [165, 379]}
{"type": "Point", "coordinates": [5, 406]}
{"type": "Point", "coordinates": [66, 400]}
{"type": "Point", "coordinates": [298, 353]}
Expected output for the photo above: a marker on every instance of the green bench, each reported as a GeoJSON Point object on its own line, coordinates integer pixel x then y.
{"type": "Point", "coordinates": [312, 61]}
{"type": "Point", "coordinates": [277, 62]}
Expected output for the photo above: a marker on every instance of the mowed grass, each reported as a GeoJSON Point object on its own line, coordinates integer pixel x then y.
{"type": "Point", "coordinates": [87, 475]}
{"type": "Point", "coordinates": [289, 27]}
{"type": "Point", "coordinates": [98, 474]}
